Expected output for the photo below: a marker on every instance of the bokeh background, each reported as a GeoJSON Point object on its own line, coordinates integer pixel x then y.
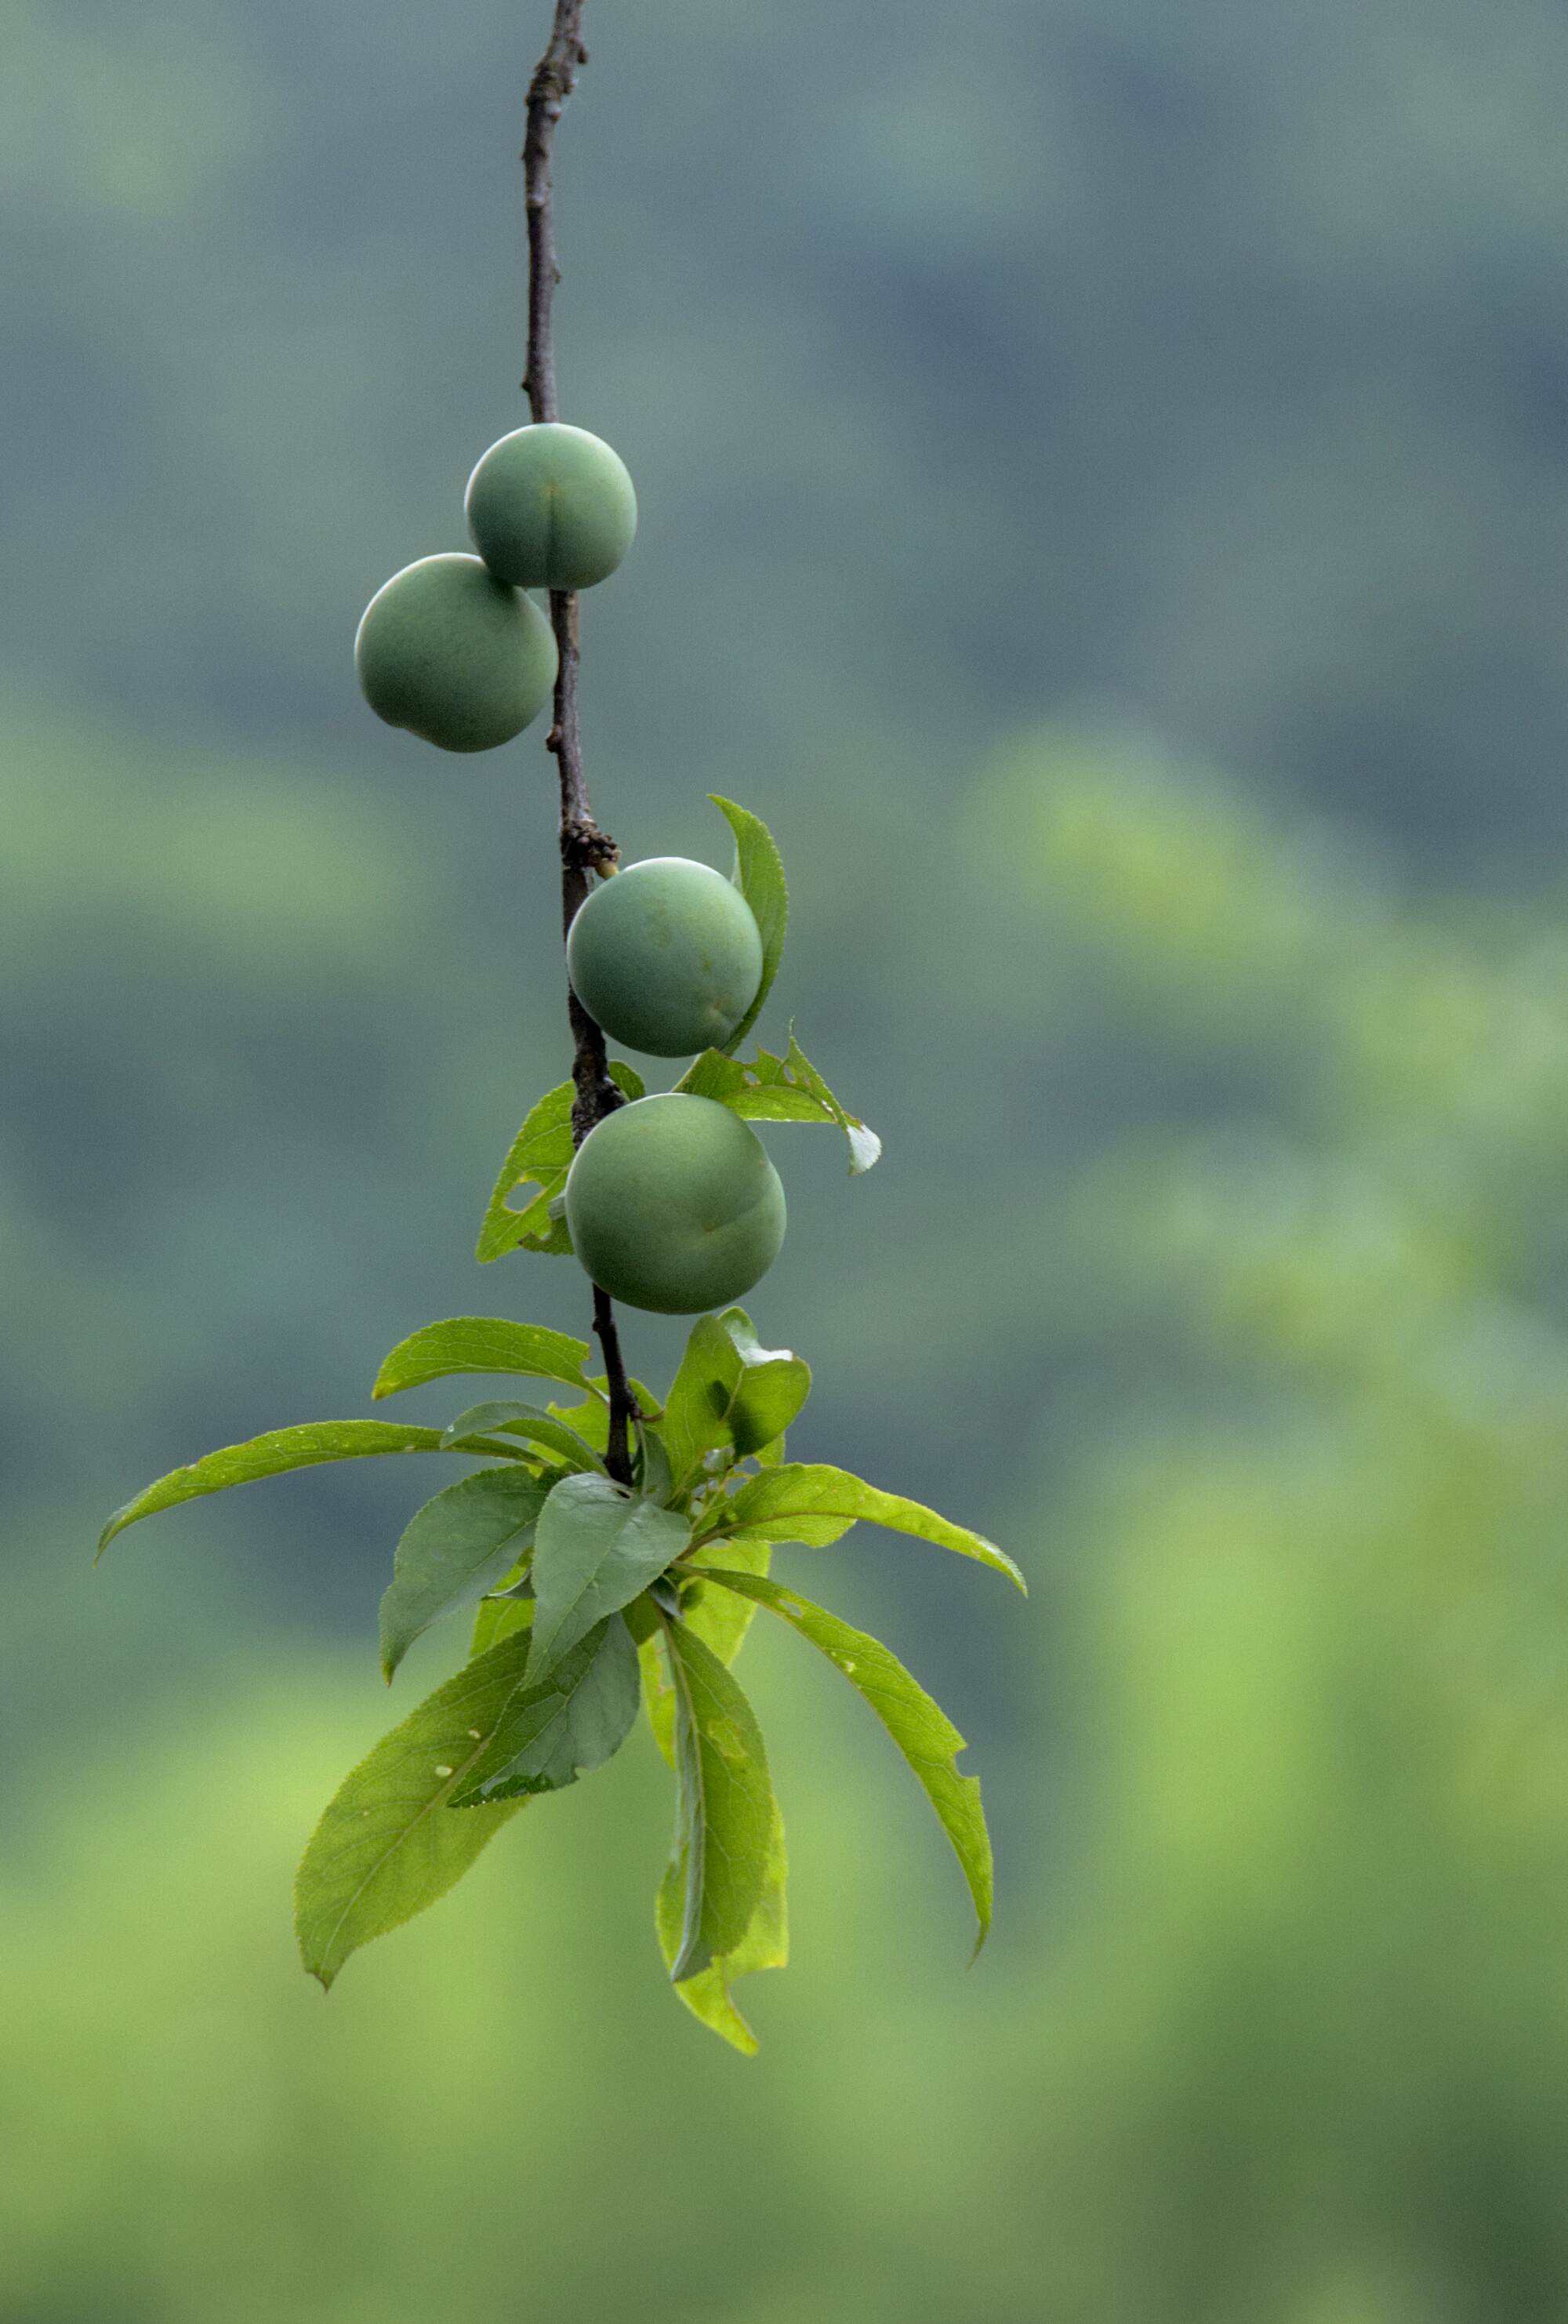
{"type": "Point", "coordinates": [1104, 474]}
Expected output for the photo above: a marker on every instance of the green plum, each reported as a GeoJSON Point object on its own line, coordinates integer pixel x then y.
{"type": "Point", "coordinates": [667, 956]}
{"type": "Point", "coordinates": [551, 507]}
{"type": "Point", "coordinates": [455, 655]}
{"type": "Point", "coordinates": [673, 1204]}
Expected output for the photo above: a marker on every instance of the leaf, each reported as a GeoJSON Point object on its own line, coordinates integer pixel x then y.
{"type": "Point", "coordinates": [730, 1391]}
{"type": "Point", "coordinates": [779, 1089]}
{"type": "Point", "coordinates": [383, 1851]}
{"type": "Point", "coordinates": [570, 1724]}
{"type": "Point", "coordinates": [303, 1447]}
{"type": "Point", "coordinates": [595, 1548]}
{"type": "Point", "coordinates": [719, 1617]}
{"type": "Point", "coordinates": [482, 1343]}
{"type": "Point", "coordinates": [765, 1945]}
{"type": "Point", "coordinates": [457, 1545]}
{"type": "Point", "coordinates": [814, 1504]}
{"type": "Point", "coordinates": [524, 1420]}
{"type": "Point", "coordinates": [592, 1420]}
{"type": "Point", "coordinates": [500, 1617]}
{"type": "Point", "coordinates": [539, 1156]}
{"type": "Point", "coordinates": [758, 874]}
{"type": "Point", "coordinates": [919, 1726]}
{"type": "Point", "coordinates": [725, 1811]}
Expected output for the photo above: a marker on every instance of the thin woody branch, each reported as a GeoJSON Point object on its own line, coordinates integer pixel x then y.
{"type": "Point", "coordinates": [584, 848]}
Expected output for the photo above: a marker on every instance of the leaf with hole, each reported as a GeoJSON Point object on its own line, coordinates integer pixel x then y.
{"type": "Point", "coordinates": [539, 1156]}
{"type": "Point", "coordinates": [596, 1547]}
{"type": "Point", "coordinates": [779, 1089]}
{"type": "Point", "coordinates": [569, 1724]}
{"type": "Point", "coordinates": [922, 1731]}
{"type": "Point", "coordinates": [458, 1545]}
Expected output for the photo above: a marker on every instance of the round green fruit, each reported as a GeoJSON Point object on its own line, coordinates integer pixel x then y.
{"type": "Point", "coordinates": [449, 652]}
{"type": "Point", "coordinates": [673, 1205]}
{"type": "Point", "coordinates": [551, 507]}
{"type": "Point", "coordinates": [667, 956]}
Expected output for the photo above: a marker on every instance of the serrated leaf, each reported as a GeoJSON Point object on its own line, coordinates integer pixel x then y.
{"type": "Point", "coordinates": [572, 1722]}
{"type": "Point", "coordinates": [539, 1156]}
{"type": "Point", "coordinates": [283, 1449]}
{"type": "Point", "coordinates": [595, 1548]}
{"type": "Point", "coordinates": [730, 1391]}
{"type": "Point", "coordinates": [919, 1726]}
{"type": "Point", "coordinates": [383, 1849]}
{"type": "Point", "coordinates": [814, 1504]}
{"type": "Point", "coordinates": [482, 1343]}
{"type": "Point", "coordinates": [456, 1546]}
{"type": "Point", "coordinates": [789, 1088]}
{"type": "Point", "coordinates": [724, 1809]}
{"type": "Point", "coordinates": [758, 874]}
{"type": "Point", "coordinates": [765, 1945]}
{"type": "Point", "coordinates": [525, 1421]}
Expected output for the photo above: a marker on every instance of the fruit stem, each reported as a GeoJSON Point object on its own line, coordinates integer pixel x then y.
{"type": "Point", "coordinates": [584, 848]}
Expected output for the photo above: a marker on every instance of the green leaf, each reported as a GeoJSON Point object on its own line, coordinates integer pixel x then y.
{"type": "Point", "coordinates": [922, 1731]}
{"type": "Point", "coordinates": [500, 1617]}
{"type": "Point", "coordinates": [758, 874]}
{"type": "Point", "coordinates": [383, 1851]}
{"type": "Point", "coordinates": [457, 1545]}
{"type": "Point", "coordinates": [595, 1548]}
{"type": "Point", "coordinates": [765, 1945]}
{"type": "Point", "coordinates": [730, 1392]}
{"type": "Point", "coordinates": [527, 1421]}
{"type": "Point", "coordinates": [725, 1811]}
{"type": "Point", "coordinates": [572, 1722]}
{"type": "Point", "coordinates": [482, 1343]}
{"type": "Point", "coordinates": [592, 1420]}
{"type": "Point", "coordinates": [303, 1447]}
{"type": "Point", "coordinates": [779, 1089]}
{"type": "Point", "coordinates": [720, 1618]}
{"type": "Point", "coordinates": [814, 1504]}
{"type": "Point", "coordinates": [539, 1156]}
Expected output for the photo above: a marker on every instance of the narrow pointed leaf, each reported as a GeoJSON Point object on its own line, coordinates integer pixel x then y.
{"type": "Point", "coordinates": [814, 1504]}
{"type": "Point", "coordinates": [591, 1420]}
{"type": "Point", "coordinates": [720, 1618]}
{"type": "Point", "coordinates": [456, 1546]}
{"type": "Point", "coordinates": [554, 1732]}
{"type": "Point", "coordinates": [595, 1548]}
{"type": "Point", "coordinates": [271, 1455]}
{"type": "Point", "coordinates": [758, 874]}
{"type": "Point", "coordinates": [525, 1421]}
{"type": "Point", "coordinates": [765, 1945]}
{"type": "Point", "coordinates": [539, 1156]}
{"type": "Point", "coordinates": [724, 1809]}
{"type": "Point", "coordinates": [922, 1731]}
{"type": "Point", "coordinates": [482, 1343]}
{"type": "Point", "coordinates": [730, 1392]}
{"type": "Point", "coordinates": [385, 1849]}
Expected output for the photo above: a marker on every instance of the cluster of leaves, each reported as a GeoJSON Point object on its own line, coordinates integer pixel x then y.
{"type": "Point", "coordinates": [593, 1597]}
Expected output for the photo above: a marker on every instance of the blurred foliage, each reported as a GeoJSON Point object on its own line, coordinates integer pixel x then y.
{"type": "Point", "coordinates": [1198, 381]}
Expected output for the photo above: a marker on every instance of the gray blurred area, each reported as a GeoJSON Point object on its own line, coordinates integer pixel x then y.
{"type": "Point", "coordinates": [1104, 483]}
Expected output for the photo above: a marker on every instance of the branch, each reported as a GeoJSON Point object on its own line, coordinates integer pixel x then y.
{"type": "Point", "coordinates": [584, 848]}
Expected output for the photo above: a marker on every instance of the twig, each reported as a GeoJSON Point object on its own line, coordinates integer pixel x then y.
{"type": "Point", "coordinates": [584, 848]}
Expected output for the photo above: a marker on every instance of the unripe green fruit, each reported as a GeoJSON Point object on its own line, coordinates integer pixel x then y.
{"type": "Point", "coordinates": [449, 652]}
{"type": "Point", "coordinates": [667, 956]}
{"type": "Point", "coordinates": [673, 1205]}
{"type": "Point", "coordinates": [551, 507]}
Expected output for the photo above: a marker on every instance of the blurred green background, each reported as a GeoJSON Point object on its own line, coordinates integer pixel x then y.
{"type": "Point", "coordinates": [1105, 495]}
